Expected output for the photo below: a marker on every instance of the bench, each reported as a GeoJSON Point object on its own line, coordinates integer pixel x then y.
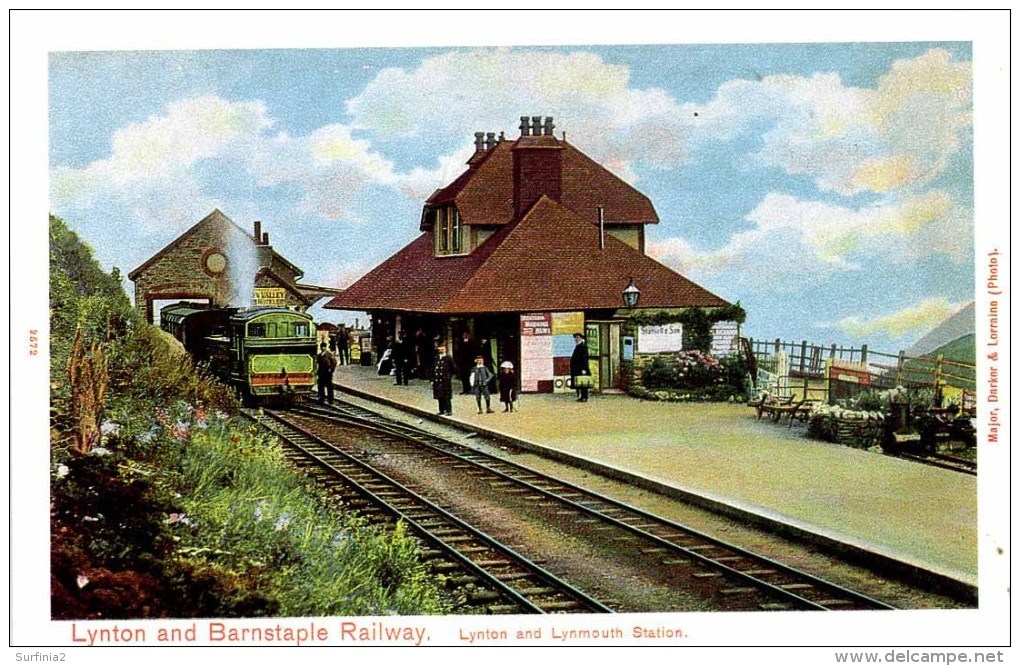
{"type": "Point", "coordinates": [802, 411]}
{"type": "Point", "coordinates": [768, 405]}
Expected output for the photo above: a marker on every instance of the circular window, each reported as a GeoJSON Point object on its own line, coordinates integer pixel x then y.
{"type": "Point", "coordinates": [214, 262]}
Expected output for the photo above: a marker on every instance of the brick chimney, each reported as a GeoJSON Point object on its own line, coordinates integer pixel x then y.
{"type": "Point", "coordinates": [258, 231]}
{"type": "Point", "coordinates": [537, 164]}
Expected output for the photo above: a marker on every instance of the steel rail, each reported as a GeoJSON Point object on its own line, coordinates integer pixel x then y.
{"type": "Point", "coordinates": [818, 583]}
{"type": "Point", "coordinates": [514, 558]}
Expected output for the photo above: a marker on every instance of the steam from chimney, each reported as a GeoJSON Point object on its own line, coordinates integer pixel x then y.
{"type": "Point", "coordinates": [242, 265]}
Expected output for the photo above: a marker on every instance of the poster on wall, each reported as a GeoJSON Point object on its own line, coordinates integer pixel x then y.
{"type": "Point", "coordinates": [658, 339]}
{"type": "Point", "coordinates": [536, 350]}
{"type": "Point", "coordinates": [564, 326]}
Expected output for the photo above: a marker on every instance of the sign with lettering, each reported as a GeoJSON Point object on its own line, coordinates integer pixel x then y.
{"type": "Point", "coordinates": [271, 296]}
{"type": "Point", "coordinates": [657, 339]}
{"type": "Point", "coordinates": [536, 324]}
{"type": "Point", "coordinates": [536, 350]}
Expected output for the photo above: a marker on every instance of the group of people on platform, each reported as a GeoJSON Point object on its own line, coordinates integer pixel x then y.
{"type": "Point", "coordinates": [474, 368]}
{"type": "Point", "coordinates": [480, 379]}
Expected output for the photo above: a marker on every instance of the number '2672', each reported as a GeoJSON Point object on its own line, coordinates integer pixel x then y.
{"type": "Point", "coordinates": [33, 342]}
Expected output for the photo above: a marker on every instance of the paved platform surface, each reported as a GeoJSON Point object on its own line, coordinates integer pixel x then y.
{"type": "Point", "coordinates": [922, 516]}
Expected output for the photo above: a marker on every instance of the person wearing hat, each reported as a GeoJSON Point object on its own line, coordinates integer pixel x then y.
{"type": "Point", "coordinates": [480, 378]}
{"type": "Point", "coordinates": [579, 368]}
{"type": "Point", "coordinates": [507, 385]}
{"type": "Point", "coordinates": [324, 375]}
{"type": "Point", "coordinates": [442, 381]}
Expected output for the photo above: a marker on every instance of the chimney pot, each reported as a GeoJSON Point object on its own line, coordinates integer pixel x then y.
{"type": "Point", "coordinates": [536, 125]}
{"type": "Point", "coordinates": [479, 140]}
{"type": "Point", "coordinates": [548, 129]}
{"type": "Point", "coordinates": [524, 126]}
{"type": "Point", "coordinates": [490, 140]}
{"type": "Point", "coordinates": [258, 231]}
{"type": "Point", "coordinates": [265, 238]}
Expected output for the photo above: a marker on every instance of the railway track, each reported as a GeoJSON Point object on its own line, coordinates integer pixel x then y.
{"type": "Point", "coordinates": [497, 578]}
{"type": "Point", "coordinates": [944, 461]}
{"type": "Point", "coordinates": [741, 573]}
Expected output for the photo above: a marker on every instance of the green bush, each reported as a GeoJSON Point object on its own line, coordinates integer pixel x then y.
{"type": "Point", "coordinates": [658, 374]}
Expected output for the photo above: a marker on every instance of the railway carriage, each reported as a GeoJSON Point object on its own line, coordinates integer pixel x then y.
{"type": "Point", "coordinates": [264, 353]}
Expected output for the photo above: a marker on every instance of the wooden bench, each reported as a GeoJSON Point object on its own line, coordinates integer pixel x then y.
{"type": "Point", "coordinates": [769, 406]}
{"type": "Point", "coordinates": [802, 411]}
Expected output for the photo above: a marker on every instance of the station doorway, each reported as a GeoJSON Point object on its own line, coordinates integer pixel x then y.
{"type": "Point", "coordinates": [603, 339]}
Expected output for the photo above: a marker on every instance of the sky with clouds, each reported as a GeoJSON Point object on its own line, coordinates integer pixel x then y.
{"type": "Point", "coordinates": [827, 187]}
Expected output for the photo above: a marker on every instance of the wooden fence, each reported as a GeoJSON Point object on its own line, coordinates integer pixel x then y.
{"type": "Point", "coordinates": [806, 367]}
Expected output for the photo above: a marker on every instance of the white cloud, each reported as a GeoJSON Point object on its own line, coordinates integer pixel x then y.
{"type": "Point", "coordinates": [913, 319]}
{"type": "Point", "coordinates": [897, 135]}
{"type": "Point", "coordinates": [794, 240]}
{"type": "Point", "coordinates": [456, 94]}
{"type": "Point", "coordinates": [154, 169]}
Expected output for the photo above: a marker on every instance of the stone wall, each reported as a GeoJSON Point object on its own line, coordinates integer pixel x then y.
{"type": "Point", "coordinates": [182, 270]}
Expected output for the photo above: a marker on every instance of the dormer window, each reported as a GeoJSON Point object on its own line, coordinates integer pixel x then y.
{"type": "Point", "coordinates": [448, 231]}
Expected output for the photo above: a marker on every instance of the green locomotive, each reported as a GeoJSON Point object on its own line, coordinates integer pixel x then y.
{"type": "Point", "coordinates": [265, 353]}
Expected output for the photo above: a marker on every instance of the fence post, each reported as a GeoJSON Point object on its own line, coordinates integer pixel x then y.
{"type": "Point", "coordinates": [832, 350]}
{"type": "Point", "coordinates": [864, 354]}
{"type": "Point", "coordinates": [900, 362]}
{"type": "Point", "coordinates": [777, 345]}
{"type": "Point", "coordinates": [803, 354]}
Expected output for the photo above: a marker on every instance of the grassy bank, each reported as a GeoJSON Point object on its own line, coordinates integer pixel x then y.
{"type": "Point", "coordinates": [165, 504]}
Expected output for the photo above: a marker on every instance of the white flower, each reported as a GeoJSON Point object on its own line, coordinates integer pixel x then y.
{"type": "Point", "coordinates": [62, 471]}
{"type": "Point", "coordinates": [82, 580]}
{"type": "Point", "coordinates": [282, 522]}
{"type": "Point", "coordinates": [109, 428]}
{"type": "Point", "coordinates": [100, 451]}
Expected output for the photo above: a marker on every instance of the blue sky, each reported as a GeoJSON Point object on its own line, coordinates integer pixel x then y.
{"type": "Point", "coordinates": [827, 187]}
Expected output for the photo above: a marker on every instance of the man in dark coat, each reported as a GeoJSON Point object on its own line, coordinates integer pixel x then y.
{"type": "Point", "coordinates": [466, 353]}
{"type": "Point", "coordinates": [402, 359]}
{"type": "Point", "coordinates": [579, 366]}
{"type": "Point", "coordinates": [343, 346]}
{"type": "Point", "coordinates": [442, 381]}
{"type": "Point", "coordinates": [324, 375]}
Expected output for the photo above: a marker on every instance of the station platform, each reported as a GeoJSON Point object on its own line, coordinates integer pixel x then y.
{"type": "Point", "coordinates": [918, 518]}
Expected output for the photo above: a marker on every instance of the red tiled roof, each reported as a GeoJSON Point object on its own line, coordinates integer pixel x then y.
{"type": "Point", "coordinates": [484, 193]}
{"type": "Point", "coordinates": [507, 274]}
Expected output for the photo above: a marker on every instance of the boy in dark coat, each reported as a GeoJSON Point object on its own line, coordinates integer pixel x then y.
{"type": "Point", "coordinates": [480, 378]}
{"type": "Point", "coordinates": [442, 381]}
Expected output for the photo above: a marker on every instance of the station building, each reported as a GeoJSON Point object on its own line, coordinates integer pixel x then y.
{"type": "Point", "coordinates": [534, 242]}
{"type": "Point", "coordinates": [219, 263]}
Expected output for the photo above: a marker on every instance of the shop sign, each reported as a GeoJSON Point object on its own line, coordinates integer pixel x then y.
{"type": "Point", "coordinates": [658, 339]}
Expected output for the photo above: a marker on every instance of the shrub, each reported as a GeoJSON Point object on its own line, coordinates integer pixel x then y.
{"type": "Point", "coordinates": [658, 374]}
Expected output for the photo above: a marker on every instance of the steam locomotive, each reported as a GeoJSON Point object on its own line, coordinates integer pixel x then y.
{"type": "Point", "coordinates": [267, 354]}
